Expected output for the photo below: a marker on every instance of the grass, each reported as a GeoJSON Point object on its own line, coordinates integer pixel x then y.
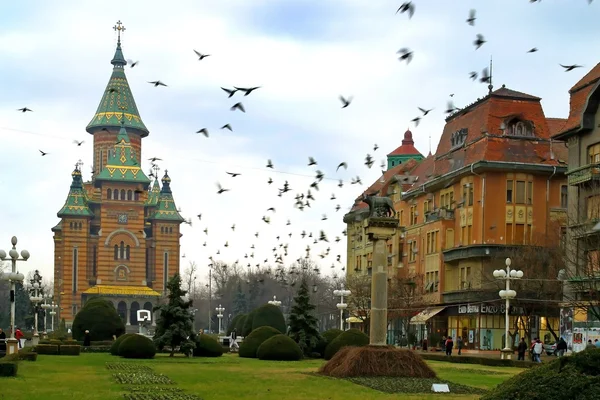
{"type": "Point", "coordinates": [229, 377]}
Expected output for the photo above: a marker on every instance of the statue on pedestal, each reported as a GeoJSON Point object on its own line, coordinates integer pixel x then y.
{"type": "Point", "coordinates": [379, 207]}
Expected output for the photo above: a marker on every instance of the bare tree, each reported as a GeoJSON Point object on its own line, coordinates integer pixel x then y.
{"type": "Point", "coordinates": [405, 300]}
{"type": "Point", "coordinates": [359, 302]}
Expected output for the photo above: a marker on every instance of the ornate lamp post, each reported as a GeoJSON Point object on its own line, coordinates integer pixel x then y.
{"type": "Point", "coordinates": [35, 295]}
{"type": "Point", "coordinates": [341, 305]}
{"type": "Point", "coordinates": [46, 307]}
{"type": "Point", "coordinates": [53, 307]}
{"type": "Point", "coordinates": [13, 277]}
{"type": "Point", "coordinates": [220, 311]}
{"type": "Point", "coordinates": [507, 294]}
{"type": "Point", "coordinates": [274, 302]}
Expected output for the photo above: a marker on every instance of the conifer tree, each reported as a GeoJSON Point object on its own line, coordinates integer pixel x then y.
{"type": "Point", "coordinates": [302, 321]}
{"type": "Point", "coordinates": [239, 302]}
{"type": "Point", "coordinates": [174, 325]}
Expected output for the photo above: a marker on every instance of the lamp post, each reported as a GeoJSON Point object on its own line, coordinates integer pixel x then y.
{"type": "Point", "coordinates": [220, 311]}
{"type": "Point", "coordinates": [507, 294]}
{"type": "Point", "coordinates": [53, 306]}
{"type": "Point", "coordinates": [274, 302]}
{"type": "Point", "coordinates": [35, 295]}
{"type": "Point", "coordinates": [13, 277]}
{"type": "Point", "coordinates": [341, 305]}
{"type": "Point", "coordinates": [46, 307]}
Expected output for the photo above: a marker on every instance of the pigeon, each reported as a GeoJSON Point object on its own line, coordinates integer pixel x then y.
{"type": "Point", "coordinates": [532, 50]}
{"type": "Point", "coordinates": [407, 6]}
{"type": "Point", "coordinates": [342, 164]}
{"type": "Point", "coordinates": [43, 153]}
{"type": "Point", "coordinates": [78, 143]}
{"type": "Point", "coordinates": [221, 190]}
{"type": "Point", "coordinates": [239, 106]}
{"type": "Point", "coordinates": [25, 109]}
{"type": "Point", "coordinates": [201, 56]}
{"type": "Point", "coordinates": [230, 92]}
{"type": "Point", "coordinates": [203, 131]}
{"type": "Point", "coordinates": [485, 76]}
{"type": "Point", "coordinates": [570, 67]}
{"type": "Point", "coordinates": [479, 41]}
{"type": "Point", "coordinates": [269, 164]}
{"type": "Point", "coordinates": [154, 159]}
{"type": "Point", "coordinates": [405, 55]}
{"type": "Point", "coordinates": [451, 108]}
{"type": "Point", "coordinates": [375, 147]}
{"type": "Point", "coordinates": [233, 174]}
{"type": "Point", "coordinates": [416, 120]}
{"type": "Point", "coordinates": [311, 161]}
{"type": "Point", "coordinates": [345, 102]}
{"type": "Point", "coordinates": [472, 18]}
{"type": "Point", "coordinates": [424, 111]}
{"type": "Point", "coordinates": [132, 63]}
{"type": "Point", "coordinates": [227, 126]}
{"type": "Point", "coordinates": [247, 91]}
{"type": "Point", "coordinates": [157, 83]}
{"type": "Point", "coordinates": [473, 75]}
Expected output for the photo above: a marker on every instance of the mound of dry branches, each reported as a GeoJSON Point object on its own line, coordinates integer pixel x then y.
{"type": "Point", "coordinates": [376, 361]}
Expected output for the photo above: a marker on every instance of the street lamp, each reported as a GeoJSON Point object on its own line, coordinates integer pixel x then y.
{"type": "Point", "coordinates": [341, 305]}
{"type": "Point", "coordinates": [507, 294]}
{"type": "Point", "coordinates": [35, 295]}
{"type": "Point", "coordinates": [13, 277]}
{"type": "Point", "coordinates": [46, 307]}
{"type": "Point", "coordinates": [274, 302]}
{"type": "Point", "coordinates": [53, 306]}
{"type": "Point", "coordinates": [220, 311]}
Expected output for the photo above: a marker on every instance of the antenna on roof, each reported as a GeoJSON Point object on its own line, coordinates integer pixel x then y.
{"type": "Point", "coordinates": [490, 86]}
{"type": "Point", "coordinates": [429, 144]}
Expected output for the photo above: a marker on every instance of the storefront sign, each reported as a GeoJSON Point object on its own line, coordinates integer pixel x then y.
{"type": "Point", "coordinates": [489, 308]}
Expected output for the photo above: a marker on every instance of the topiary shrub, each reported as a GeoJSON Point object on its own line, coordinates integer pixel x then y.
{"type": "Point", "coordinates": [47, 349]}
{"type": "Point", "coordinates": [351, 337]}
{"type": "Point", "coordinates": [207, 346]}
{"type": "Point", "coordinates": [100, 318]}
{"type": "Point", "coordinates": [269, 315]}
{"type": "Point", "coordinates": [69, 350]}
{"type": "Point", "coordinates": [137, 346]}
{"type": "Point", "coordinates": [571, 377]}
{"type": "Point", "coordinates": [247, 326]}
{"type": "Point", "coordinates": [279, 348]}
{"type": "Point", "coordinates": [252, 342]}
{"type": "Point", "coordinates": [326, 338]}
{"type": "Point", "coordinates": [8, 368]}
{"type": "Point", "coordinates": [233, 324]}
{"type": "Point", "coordinates": [114, 348]}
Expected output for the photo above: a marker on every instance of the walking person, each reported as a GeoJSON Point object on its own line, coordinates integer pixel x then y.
{"type": "Point", "coordinates": [537, 349]}
{"type": "Point", "coordinates": [449, 346]}
{"type": "Point", "coordinates": [2, 341]}
{"type": "Point", "coordinates": [459, 345]}
{"type": "Point", "coordinates": [521, 349]}
{"type": "Point", "coordinates": [87, 339]}
{"type": "Point", "coordinates": [561, 347]}
{"type": "Point", "coordinates": [443, 343]}
{"type": "Point", "coordinates": [19, 335]}
{"type": "Point", "coordinates": [233, 346]}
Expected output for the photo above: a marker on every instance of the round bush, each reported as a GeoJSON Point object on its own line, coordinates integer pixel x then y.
{"type": "Point", "coordinates": [325, 339]}
{"type": "Point", "coordinates": [239, 326]}
{"type": "Point", "coordinates": [100, 318]}
{"type": "Point", "coordinates": [233, 324]}
{"type": "Point", "coordinates": [269, 315]}
{"type": "Point", "coordinates": [114, 347]}
{"type": "Point", "coordinates": [137, 346]}
{"type": "Point", "coordinates": [351, 337]}
{"type": "Point", "coordinates": [207, 346]}
{"type": "Point", "coordinates": [279, 348]}
{"type": "Point", "coordinates": [247, 327]}
{"type": "Point", "coordinates": [572, 377]}
{"type": "Point", "coordinates": [252, 342]}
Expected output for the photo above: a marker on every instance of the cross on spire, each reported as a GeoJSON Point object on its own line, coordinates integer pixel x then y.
{"type": "Point", "coordinates": [119, 28]}
{"type": "Point", "coordinates": [155, 169]}
{"type": "Point", "coordinates": [78, 164]}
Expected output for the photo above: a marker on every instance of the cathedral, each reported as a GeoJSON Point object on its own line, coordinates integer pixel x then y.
{"type": "Point", "coordinates": [118, 235]}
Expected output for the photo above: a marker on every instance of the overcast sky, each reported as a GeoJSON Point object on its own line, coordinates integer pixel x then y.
{"type": "Point", "coordinates": [55, 59]}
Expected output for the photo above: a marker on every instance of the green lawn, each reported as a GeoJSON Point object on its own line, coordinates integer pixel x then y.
{"type": "Point", "coordinates": [226, 378]}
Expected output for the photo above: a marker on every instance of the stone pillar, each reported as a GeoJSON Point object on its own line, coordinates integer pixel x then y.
{"type": "Point", "coordinates": [128, 319]}
{"type": "Point", "coordinates": [12, 346]}
{"type": "Point", "coordinates": [379, 231]}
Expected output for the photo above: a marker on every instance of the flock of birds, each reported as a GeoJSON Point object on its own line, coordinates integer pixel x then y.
{"type": "Point", "coordinates": [305, 196]}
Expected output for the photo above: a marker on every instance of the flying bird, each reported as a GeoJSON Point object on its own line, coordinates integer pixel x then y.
{"type": "Point", "coordinates": [230, 92]}
{"type": "Point", "coordinates": [416, 120]}
{"type": "Point", "coordinates": [407, 6]}
{"type": "Point", "coordinates": [479, 41]}
{"type": "Point", "coordinates": [43, 153]}
{"type": "Point", "coordinates": [532, 50]}
{"type": "Point", "coordinates": [227, 126]}
{"type": "Point", "coordinates": [233, 174]}
{"type": "Point", "coordinates": [221, 190]}
{"type": "Point", "coordinates": [570, 67]}
{"type": "Point", "coordinates": [25, 109]}
{"type": "Point", "coordinates": [424, 111]}
{"type": "Point", "coordinates": [485, 76]}
{"type": "Point", "coordinates": [203, 131]}
{"type": "Point", "coordinates": [132, 63]}
{"type": "Point", "coordinates": [247, 91]}
{"type": "Point", "coordinates": [239, 106]}
{"type": "Point", "coordinates": [473, 75]}
{"type": "Point", "coordinates": [269, 164]}
{"type": "Point", "coordinates": [78, 143]}
{"type": "Point", "coordinates": [200, 55]}
{"type": "Point", "coordinates": [375, 147]}
{"type": "Point", "coordinates": [472, 18]}
{"type": "Point", "coordinates": [405, 55]}
{"type": "Point", "coordinates": [451, 108]}
{"type": "Point", "coordinates": [154, 159]}
{"type": "Point", "coordinates": [311, 161]}
{"type": "Point", "coordinates": [345, 102]}
{"type": "Point", "coordinates": [157, 83]}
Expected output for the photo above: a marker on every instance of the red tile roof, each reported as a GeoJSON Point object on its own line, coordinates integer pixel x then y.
{"type": "Point", "coordinates": [580, 93]}
{"type": "Point", "coordinates": [555, 125]}
{"type": "Point", "coordinates": [408, 146]}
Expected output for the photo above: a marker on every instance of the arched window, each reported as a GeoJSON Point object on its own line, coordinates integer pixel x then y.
{"type": "Point", "coordinates": [129, 195]}
{"type": "Point", "coordinates": [80, 226]}
{"type": "Point", "coordinates": [116, 252]}
{"type": "Point", "coordinates": [122, 250]}
{"type": "Point", "coordinates": [171, 230]}
{"type": "Point", "coordinates": [109, 194]}
{"type": "Point", "coordinates": [162, 230]}
{"type": "Point", "coordinates": [116, 194]}
{"type": "Point", "coordinates": [519, 131]}
{"type": "Point", "coordinates": [123, 195]}
{"type": "Point", "coordinates": [136, 196]}
{"type": "Point", "coordinates": [70, 225]}
{"type": "Point", "coordinates": [127, 255]}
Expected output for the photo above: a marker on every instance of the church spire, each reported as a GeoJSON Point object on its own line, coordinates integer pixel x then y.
{"type": "Point", "coordinates": [117, 99]}
{"type": "Point", "coordinates": [166, 209]}
{"type": "Point", "coordinates": [76, 204]}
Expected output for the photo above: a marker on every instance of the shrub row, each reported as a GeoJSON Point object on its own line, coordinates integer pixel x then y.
{"type": "Point", "coordinates": [8, 368]}
{"type": "Point", "coordinates": [96, 349]}
{"type": "Point", "coordinates": [492, 362]}
{"type": "Point", "coordinates": [54, 350]}
{"type": "Point", "coordinates": [132, 345]}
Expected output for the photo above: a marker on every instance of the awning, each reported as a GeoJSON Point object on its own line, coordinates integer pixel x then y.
{"type": "Point", "coordinates": [354, 320]}
{"type": "Point", "coordinates": [110, 290]}
{"type": "Point", "coordinates": [424, 315]}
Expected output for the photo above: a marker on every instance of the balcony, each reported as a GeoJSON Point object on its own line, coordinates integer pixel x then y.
{"type": "Point", "coordinates": [584, 174]}
{"type": "Point", "coordinates": [439, 214]}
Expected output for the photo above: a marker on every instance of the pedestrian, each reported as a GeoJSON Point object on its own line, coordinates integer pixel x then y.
{"type": "Point", "coordinates": [521, 349]}
{"type": "Point", "coordinates": [87, 339]}
{"type": "Point", "coordinates": [537, 349]}
{"type": "Point", "coordinates": [597, 343]}
{"type": "Point", "coordinates": [449, 346]}
{"type": "Point", "coordinates": [443, 343]}
{"type": "Point", "coordinates": [19, 335]}
{"type": "Point", "coordinates": [589, 345]}
{"type": "Point", "coordinates": [561, 347]}
{"type": "Point", "coordinates": [425, 344]}
{"type": "Point", "coordinates": [233, 346]}
{"type": "Point", "coordinates": [2, 341]}
{"type": "Point", "coordinates": [459, 345]}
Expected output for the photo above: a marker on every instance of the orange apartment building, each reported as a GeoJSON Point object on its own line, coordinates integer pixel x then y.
{"type": "Point", "coordinates": [118, 235]}
{"type": "Point", "coordinates": [496, 184]}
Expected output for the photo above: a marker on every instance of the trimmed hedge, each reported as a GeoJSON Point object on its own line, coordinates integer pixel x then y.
{"type": "Point", "coordinates": [8, 368]}
{"type": "Point", "coordinates": [47, 349]}
{"type": "Point", "coordinates": [571, 377]}
{"type": "Point", "coordinates": [252, 342]}
{"type": "Point", "coordinates": [69, 350]}
{"type": "Point", "coordinates": [99, 317]}
{"type": "Point", "coordinates": [351, 337]}
{"type": "Point", "coordinates": [137, 346]}
{"type": "Point", "coordinates": [326, 338]}
{"type": "Point", "coordinates": [465, 359]}
{"type": "Point", "coordinates": [279, 348]}
{"type": "Point", "coordinates": [114, 348]}
{"type": "Point", "coordinates": [269, 315]}
{"type": "Point", "coordinates": [206, 346]}
{"type": "Point", "coordinates": [247, 326]}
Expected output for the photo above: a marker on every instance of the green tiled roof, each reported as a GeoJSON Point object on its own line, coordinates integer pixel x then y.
{"type": "Point", "coordinates": [166, 209]}
{"type": "Point", "coordinates": [77, 202]}
{"type": "Point", "coordinates": [122, 164]}
{"type": "Point", "coordinates": [154, 194]}
{"type": "Point", "coordinates": [117, 101]}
